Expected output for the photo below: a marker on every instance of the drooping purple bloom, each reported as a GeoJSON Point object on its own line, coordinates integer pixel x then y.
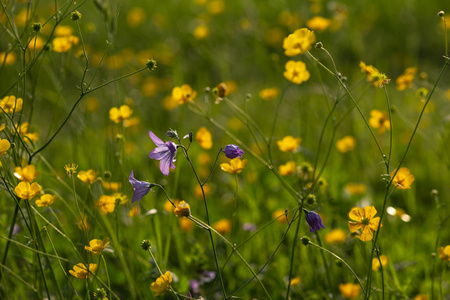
{"type": "Point", "coordinates": [164, 152]}
{"type": "Point", "coordinates": [314, 221]}
{"type": "Point", "coordinates": [140, 188]}
{"type": "Point", "coordinates": [233, 151]}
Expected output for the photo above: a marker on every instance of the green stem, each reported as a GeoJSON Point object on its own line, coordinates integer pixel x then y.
{"type": "Point", "coordinates": [327, 269]}
{"type": "Point", "coordinates": [107, 275]}
{"type": "Point", "coordinates": [294, 244]}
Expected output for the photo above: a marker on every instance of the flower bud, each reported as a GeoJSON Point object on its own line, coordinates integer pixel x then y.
{"type": "Point", "coordinates": [172, 134]}
{"type": "Point", "coordinates": [182, 210]}
{"type": "Point", "coordinates": [146, 245]}
{"type": "Point", "coordinates": [37, 26]}
{"type": "Point", "coordinates": [305, 240]}
{"type": "Point", "coordinates": [441, 13]}
{"type": "Point", "coordinates": [75, 15]}
{"type": "Point", "coordinates": [232, 151]}
{"type": "Point", "coordinates": [151, 64]}
{"type": "Point", "coordinates": [319, 45]}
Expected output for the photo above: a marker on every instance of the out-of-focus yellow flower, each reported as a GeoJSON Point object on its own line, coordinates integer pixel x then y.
{"type": "Point", "coordinates": [4, 146]}
{"type": "Point", "coordinates": [296, 72]}
{"type": "Point", "coordinates": [107, 204]}
{"type": "Point", "coordinates": [295, 281]}
{"type": "Point", "coordinates": [298, 42]}
{"type": "Point", "coordinates": [405, 80]}
{"type": "Point", "coordinates": [379, 120]}
{"type": "Point", "coordinates": [64, 43]}
{"type": "Point", "coordinates": [364, 218]}
{"type": "Point", "coordinates": [269, 93]}
{"type": "Point", "coordinates": [168, 206]}
{"type": "Point", "coordinates": [288, 168]}
{"type": "Point", "coordinates": [80, 271]}
{"type": "Point", "coordinates": [36, 43]}
{"type": "Point", "coordinates": [223, 226]}
{"type": "Point", "coordinates": [28, 136]}
{"type": "Point", "coordinates": [201, 32]}
{"type": "Point", "coordinates": [349, 290]}
{"type": "Point", "coordinates": [447, 94]}
{"type": "Point", "coordinates": [71, 169]}
{"type": "Point", "coordinates": [25, 190]}
{"type": "Point", "coordinates": [347, 143]}
{"type": "Point", "coordinates": [235, 166]}
{"type": "Point", "coordinates": [92, 104]}
{"type": "Point", "coordinates": [198, 191]}
{"type": "Point", "coordinates": [444, 253]}
{"type": "Point", "coordinates": [111, 186]}
{"type": "Point", "coordinates": [215, 7]}
{"type": "Point", "coordinates": [280, 215]}
{"type": "Point", "coordinates": [63, 30]}
{"type": "Point", "coordinates": [120, 114]}
{"type": "Point", "coordinates": [376, 263]}
{"type": "Point", "coordinates": [136, 16]}
{"type": "Point", "coordinates": [288, 19]}
{"type": "Point", "coordinates": [169, 103]}
{"type": "Point", "coordinates": [231, 86]}
{"type": "Point", "coordinates": [204, 138]}
{"type": "Point", "coordinates": [186, 225]}
{"type": "Point", "coordinates": [82, 223]}
{"type": "Point", "coordinates": [235, 124]}
{"type": "Point", "coordinates": [45, 200]}
{"type": "Point", "coordinates": [355, 189]}
{"type": "Point", "coordinates": [182, 210]}
{"type": "Point", "coordinates": [289, 143]}
{"type": "Point", "coordinates": [335, 236]}
{"type": "Point", "coordinates": [403, 179]}
{"type": "Point", "coordinates": [87, 176]}
{"type": "Point", "coordinates": [11, 104]}
{"type": "Point", "coordinates": [373, 75]}
{"type": "Point", "coordinates": [274, 36]}
{"type": "Point", "coordinates": [27, 173]}
{"type": "Point", "coordinates": [421, 297]}
{"type": "Point", "coordinates": [318, 23]}
{"type": "Point", "coordinates": [133, 212]}
{"type": "Point", "coordinates": [10, 58]}
{"type": "Point", "coordinates": [97, 246]}
{"type": "Point", "coordinates": [183, 94]}
{"type": "Point", "coordinates": [204, 158]}
{"type": "Point", "coordinates": [161, 284]}
{"type": "Point", "coordinates": [120, 198]}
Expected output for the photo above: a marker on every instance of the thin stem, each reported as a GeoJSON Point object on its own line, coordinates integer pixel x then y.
{"type": "Point", "coordinates": [107, 275]}
{"type": "Point", "coordinates": [294, 244]}
{"type": "Point", "coordinates": [327, 269]}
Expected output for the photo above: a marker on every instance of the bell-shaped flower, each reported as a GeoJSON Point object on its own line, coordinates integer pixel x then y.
{"type": "Point", "coordinates": [164, 152]}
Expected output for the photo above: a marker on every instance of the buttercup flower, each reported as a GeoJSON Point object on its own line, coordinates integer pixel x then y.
{"type": "Point", "coordinates": [335, 236]}
{"type": "Point", "coordinates": [223, 226]}
{"type": "Point", "coordinates": [25, 190]}
{"type": "Point", "coordinates": [120, 114]}
{"type": "Point", "coordinates": [355, 189]}
{"type": "Point", "coordinates": [269, 93]}
{"type": "Point", "coordinates": [346, 144]}
{"type": "Point", "coordinates": [4, 146]}
{"type": "Point", "coordinates": [11, 104]}
{"type": "Point", "coordinates": [379, 120]}
{"type": "Point", "coordinates": [27, 173]}
{"type": "Point", "coordinates": [373, 75]}
{"type": "Point", "coordinates": [64, 43]}
{"type": "Point", "coordinates": [107, 204]}
{"type": "Point", "coordinates": [140, 188]}
{"type": "Point", "coordinates": [164, 152]}
{"type": "Point", "coordinates": [405, 80]}
{"type": "Point", "coordinates": [364, 218]}
{"type": "Point", "coordinates": [444, 253]}
{"type": "Point", "coordinates": [233, 151]}
{"type": "Point", "coordinates": [289, 143]}
{"type": "Point", "coordinates": [183, 94]}
{"type": "Point", "coordinates": [97, 246]}
{"type": "Point", "coordinates": [161, 284]}
{"type": "Point", "coordinates": [45, 200]}
{"type": "Point", "coordinates": [71, 169]}
{"type": "Point", "coordinates": [298, 42]}
{"type": "Point", "coordinates": [295, 281]}
{"type": "Point", "coordinates": [318, 23]}
{"type": "Point", "coordinates": [403, 179]}
{"type": "Point", "coordinates": [349, 290]}
{"type": "Point", "coordinates": [87, 176]}
{"type": "Point", "coordinates": [288, 168]}
{"type": "Point", "coordinates": [28, 136]}
{"type": "Point", "coordinates": [314, 221]}
{"type": "Point", "coordinates": [111, 186]}
{"type": "Point", "coordinates": [296, 72]}
{"type": "Point", "coordinates": [183, 209]}
{"type": "Point", "coordinates": [204, 138]}
{"type": "Point", "coordinates": [80, 271]}
{"type": "Point", "coordinates": [376, 263]}
{"type": "Point", "coordinates": [235, 166]}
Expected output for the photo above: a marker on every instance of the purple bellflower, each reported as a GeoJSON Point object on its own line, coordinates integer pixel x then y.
{"type": "Point", "coordinates": [164, 152]}
{"type": "Point", "coordinates": [140, 188]}
{"type": "Point", "coordinates": [314, 221]}
{"type": "Point", "coordinates": [233, 151]}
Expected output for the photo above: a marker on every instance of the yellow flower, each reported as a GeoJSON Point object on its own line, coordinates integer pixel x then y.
{"type": "Point", "coordinates": [183, 94]}
{"type": "Point", "coordinates": [161, 284]}
{"type": "Point", "coordinates": [403, 179]}
{"type": "Point", "coordinates": [347, 143]}
{"type": "Point", "coordinates": [235, 166]}
{"type": "Point", "coordinates": [335, 236]}
{"type": "Point", "coordinates": [201, 32]}
{"type": "Point", "coordinates": [97, 246]}
{"type": "Point", "coordinates": [379, 120]}
{"type": "Point", "coordinates": [296, 72]}
{"type": "Point", "coordinates": [355, 189]}
{"type": "Point", "coordinates": [198, 191]}
{"type": "Point", "coordinates": [64, 43]}
{"type": "Point", "coordinates": [87, 176]}
{"type": "Point", "coordinates": [349, 290]}
{"type": "Point", "coordinates": [298, 42]}
{"type": "Point", "coordinates": [421, 297]}
{"type": "Point", "coordinates": [223, 226]}
{"type": "Point", "coordinates": [133, 212]}
{"type": "Point", "coordinates": [10, 58]}
{"type": "Point", "coordinates": [71, 169]}
{"type": "Point", "coordinates": [364, 218]}
{"type": "Point", "coordinates": [280, 215]}
{"type": "Point", "coordinates": [11, 104]}
{"type": "Point", "coordinates": [25, 190]}
{"type": "Point", "coordinates": [45, 200]}
{"type": "Point", "coordinates": [120, 114]}
{"type": "Point", "coordinates": [444, 253]}
{"type": "Point", "coordinates": [269, 93]}
{"type": "Point", "coordinates": [82, 223]}
{"type": "Point", "coordinates": [404, 81]}
{"type": "Point", "coordinates": [215, 7]}
{"type": "Point", "coordinates": [4, 146]}
{"type": "Point", "coordinates": [186, 225]}
{"type": "Point", "coordinates": [376, 263]}
{"type": "Point", "coordinates": [120, 198]}
{"type": "Point", "coordinates": [111, 186]}
{"type": "Point", "coordinates": [107, 204]}
{"type": "Point", "coordinates": [23, 130]}
{"type": "Point", "coordinates": [295, 281]}
{"type": "Point", "coordinates": [318, 23]}
{"type": "Point", "coordinates": [27, 173]}
{"type": "Point", "coordinates": [204, 138]}
{"type": "Point", "coordinates": [373, 75]}
{"type": "Point", "coordinates": [136, 16]}
{"type": "Point", "coordinates": [183, 209]}
{"type": "Point", "coordinates": [289, 143]}
{"type": "Point", "coordinates": [80, 271]}
{"type": "Point", "coordinates": [288, 168]}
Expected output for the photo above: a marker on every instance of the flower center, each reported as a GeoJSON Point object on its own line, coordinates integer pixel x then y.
{"type": "Point", "coordinates": [365, 221]}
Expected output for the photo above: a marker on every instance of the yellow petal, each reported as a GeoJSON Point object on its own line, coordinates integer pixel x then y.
{"type": "Point", "coordinates": [356, 214]}
{"type": "Point", "coordinates": [366, 234]}
{"type": "Point", "coordinates": [370, 212]}
{"type": "Point", "coordinates": [353, 226]}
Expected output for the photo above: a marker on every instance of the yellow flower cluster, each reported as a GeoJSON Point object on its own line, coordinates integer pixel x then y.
{"type": "Point", "coordinates": [4, 146]}
{"type": "Point", "coordinates": [64, 39]}
{"type": "Point", "coordinates": [349, 290]}
{"type": "Point", "coordinates": [120, 114]}
{"type": "Point", "coordinates": [11, 104]}
{"type": "Point", "coordinates": [28, 136]}
{"type": "Point", "coordinates": [87, 176]}
{"type": "Point", "coordinates": [107, 204]}
{"type": "Point", "coordinates": [288, 168]}
{"type": "Point", "coordinates": [296, 43]}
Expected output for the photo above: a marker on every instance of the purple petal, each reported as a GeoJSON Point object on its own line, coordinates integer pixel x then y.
{"type": "Point", "coordinates": [140, 188]}
{"type": "Point", "coordinates": [159, 152]}
{"type": "Point", "coordinates": [155, 139]}
{"type": "Point", "coordinates": [164, 164]}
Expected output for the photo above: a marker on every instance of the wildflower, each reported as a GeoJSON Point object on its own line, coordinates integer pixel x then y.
{"type": "Point", "coordinates": [235, 166]}
{"type": "Point", "coordinates": [288, 168]}
{"type": "Point", "coordinates": [120, 114]}
{"type": "Point", "coordinates": [269, 93]}
{"type": "Point", "coordinates": [45, 200]}
{"type": "Point", "coordinates": [201, 32]}
{"type": "Point", "coordinates": [220, 91]}
{"type": "Point", "coordinates": [204, 138]}
{"type": "Point", "coordinates": [146, 245]}
{"type": "Point", "coordinates": [64, 43]}
{"type": "Point", "coordinates": [347, 143]}
{"type": "Point", "coordinates": [364, 218]}
{"type": "Point", "coordinates": [335, 236]}
{"type": "Point", "coordinates": [133, 212]}
{"type": "Point", "coordinates": [75, 15]}
{"type": "Point", "coordinates": [87, 176]}
{"type": "Point", "coordinates": [421, 297]}
{"type": "Point", "coordinates": [215, 7]}
{"type": "Point", "coordinates": [140, 188]}
{"type": "Point", "coordinates": [296, 72]}
{"type": "Point", "coordinates": [403, 179]}
{"type": "Point", "coordinates": [349, 290]}
{"type": "Point", "coordinates": [314, 221]}
{"type": "Point", "coordinates": [376, 263]}
{"type": "Point", "coordinates": [136, 16]}
{"type": "Point", "coordinates": [223, 226]}
{"type": "Point", "coordinates": [232, 151]}
{"type": "Point", "coordinates": [295, 281]}
{"type": "Point", "coordinates": [298, 42]}
{"type": "Point", "coordinates": [289, 143]}
{"type": "Point", "coordinates": [4, 146]}
{"type": "Point", "coordinates": [183, 94]}
{"type": "Point", "coordinates": [151, 64]}
{"type": "Point", "coordinates": [199, 193]}
{"type": "Point", "coordinates": [444, 253]}
{"type": "Point", "coordinates": [80, 271]}
{"type": "Point", "coordinates": [97, 246]}
{"type": "Point", "coordinates": [23, 130]}
{"type": "Point", "coordinates": [404, 81]}
{"type": "Point", "coordinates": [161, 284]}
{"type": "Point", "coordinates": [318, 23]}
{"type": "Point", "coordinates": [111, 186]}
{"type": "Point", "coordinates": [25, 190]}
{"type": "Point", "coordinates": [71, 169]}
{"type": "Point", "coordinates": [120, 198]}
{"type": "Point", "coordinates": [10, 58]}
{"type": "Point", "coordinates": [11, 104]}
{"type": "Point", "coordinates": [182, 210]}
{"type": "Point", "coordinates": [281, 215]}
{"type": "Point", "coordinates": [27, 173]}
{"type": "Point", "coordinates": [107, 204]}
{"type": "Point", "coordinates": [373, 75]}
{"type": "Point", "coordinates": [305, 171]}
{"type": "Point", "coordinates": [100, 294]}
{"type": "Point", "coordinates": [82, 223]}
{"type": "Point", "coordinates": [355, 189]}
{"type": "Point", "coordinates": [379, 120]}
{"type": "Point", "coordinates": [185, 224]}
{"type": "Point", "coordinates": [164, 152]}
